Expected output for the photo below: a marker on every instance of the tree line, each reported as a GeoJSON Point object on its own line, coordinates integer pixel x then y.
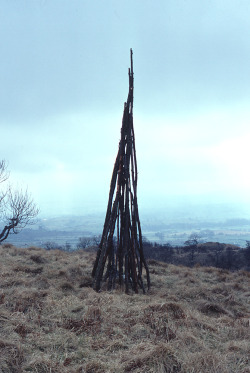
{"type": "Point", "coordinates": [193, 252]}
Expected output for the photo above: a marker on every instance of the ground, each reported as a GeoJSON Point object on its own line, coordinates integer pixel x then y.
{"type": "Point", "coordinates": [51, 320]}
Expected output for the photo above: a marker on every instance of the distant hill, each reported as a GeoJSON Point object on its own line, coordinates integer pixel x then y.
{"type": "Point", "coordinates": [156, 228]}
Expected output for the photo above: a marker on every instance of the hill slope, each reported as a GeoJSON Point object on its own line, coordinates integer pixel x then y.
{"type": "Point", "coordinates": [192, 320]}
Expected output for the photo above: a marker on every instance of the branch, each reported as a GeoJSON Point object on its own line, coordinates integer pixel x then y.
{"type": "Point", "coordinates": [19, 210]}
{"type": "Point", "coordinates": [4, 174]}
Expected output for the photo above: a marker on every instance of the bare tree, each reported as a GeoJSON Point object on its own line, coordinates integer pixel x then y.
{"type": "Point", "coordinates": [4, 174]}
{"type": "Point", "coordinates": [192, 244]}
{"type": "Point", "coordinates": [85, 242]}
{"type": "Point", "coordinates": [17, 208]}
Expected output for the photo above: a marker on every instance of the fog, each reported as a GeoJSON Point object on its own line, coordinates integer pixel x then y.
{"type": "Point", "coordinates": [63, 74]}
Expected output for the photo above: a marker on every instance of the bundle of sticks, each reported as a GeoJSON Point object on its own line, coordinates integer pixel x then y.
{"type": "Point", "coordinates": [120, 258]}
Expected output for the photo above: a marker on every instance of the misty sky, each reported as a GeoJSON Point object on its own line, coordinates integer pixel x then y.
{"type": "Point", "coordinates": [64, 80]}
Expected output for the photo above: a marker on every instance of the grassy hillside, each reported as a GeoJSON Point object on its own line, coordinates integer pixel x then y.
{"type": "Point", "coordinates": [192, 320]}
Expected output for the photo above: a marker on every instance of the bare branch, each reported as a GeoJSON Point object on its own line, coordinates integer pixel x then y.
{"type": "Point", "coordinates": [4, 174]}
{"type": "Point", "coordinates": [17, 208]}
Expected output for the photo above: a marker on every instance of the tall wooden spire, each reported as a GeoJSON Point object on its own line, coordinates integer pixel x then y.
{"type": "Point", "coordinates": [120, 257]}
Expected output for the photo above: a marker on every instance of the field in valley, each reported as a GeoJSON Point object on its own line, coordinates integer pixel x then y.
{"type": "Point", "coordinates": [159, 229]}
{"type": "Point", "coordinates": [51, 320]}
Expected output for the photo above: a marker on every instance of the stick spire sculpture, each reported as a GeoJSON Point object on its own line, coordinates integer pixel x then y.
{"type": "Point", "coordinates": [122, 259]}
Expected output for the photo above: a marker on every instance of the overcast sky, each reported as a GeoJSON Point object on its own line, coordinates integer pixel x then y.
{"type": "Point", "coordinates": [64, 79]}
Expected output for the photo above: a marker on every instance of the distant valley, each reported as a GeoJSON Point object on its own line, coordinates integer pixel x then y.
{"type": "Point", "coordinates": [68, 229]}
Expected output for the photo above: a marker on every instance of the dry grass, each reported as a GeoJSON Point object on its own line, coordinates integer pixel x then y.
{"type": "Point", "coordinates": [192, 320]}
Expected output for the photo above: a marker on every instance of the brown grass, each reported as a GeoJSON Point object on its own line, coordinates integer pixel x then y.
{"type": "Point", "coordinates": [192, 320]}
